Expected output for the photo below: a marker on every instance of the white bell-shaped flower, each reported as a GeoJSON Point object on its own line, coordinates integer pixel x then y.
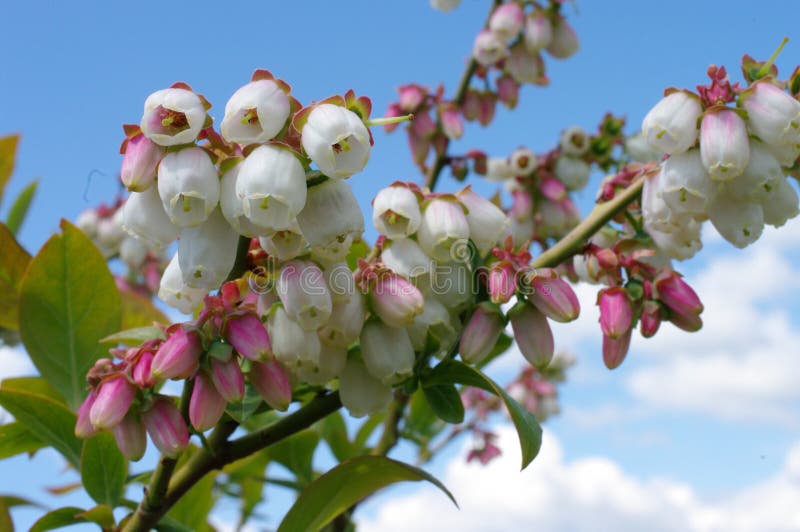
{"type": "Point", "coordinates": [487, 222]}
{"type": "Point", "coordinates": [489, 48]}
{"type": "Point", "coordinates": [188, 185]}
{"type": "Point", "coordinates": [538, 31]}
{"type": "Point", "coordinates": [522, 161]}
{"type": "Point", "coordinates": [173, 117]}
{"type": "Point", "coordinates": [292, 346]}
{"type": "Point", "coordinates": [435, 321]}
{"type": "Point", "coordinates": [346, 321]}
{"type": "Point", "coordinates": [671, 125]}
{"type": "Point", "coordinates": [685, 185]}
{"type": "Point", "coordinates": [640, 151]}
{"type": "Point", "coordinates": [387, 351]}
{"type": "Point", "coordinates": [177, 294]}
{"type": "Point", "coordinates": [255, 113]}
{"type": "Point", "coordinates": [681, 243]}
{"type": "Point", "coordinates": [452, 285]}
{"type": "Point", "coordinates": [525, 66]}
{"type": "Point", "coordinates": [361, 393]}
{"type": "Point", "coordinates": [498, 169]}
{"type": "Point", "coordinates": [233, 207]}
{"type": "Point", "coordinates": [395, 212]}
{"type": "Point", "coordinates": [564, 42]}
{"type": "Point", "coordinates": [337, 140]}
{"type": "Point", "coordinates": [781, 204]}
{"type": "Point", "coordinates": [207, 252]}
{"type": "Point", "coordinates": [444, 225]}
{"type": "Point", "coordinates": [774, 116]}
{"type": "Point", "coordinates": [573, 172]}
{"type": "Point", "coordinates": [331, 215]}
{"type": "Point", "coordinates": [143, 217]}
{"type": "Point", "coordinates": [332, 360]}
{"type": "Point", "coordinates": [285, 244]}
{"type": "Point", "coordinates": [574, 141]}
{"type": "Point", "coordinates": [304, 293]}
{"type": "Point", "coordinates": [759, 177]}
{"type": "Point", "coordinates": [405, 257]}
{"type": "Point", "coordinates": [133, 252]}
{"type": "Point", "coordinates": [724, 146]}
{"type": "Point", "coordinates": [739, 222]}
{"type": "Point", "coordinates": [272, 187]}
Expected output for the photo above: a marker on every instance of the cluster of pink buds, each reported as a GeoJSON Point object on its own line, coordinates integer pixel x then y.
{"type": "Point", "coordinates": [726, 163]}
{"type": "Point", "coordinates": [275, 171]}
{"type": "Point", "coordinates": [225, 347]}
{"type": "Point", "coordinates": [144, 261]}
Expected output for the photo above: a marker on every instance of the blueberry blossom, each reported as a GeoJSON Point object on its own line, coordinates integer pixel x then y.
{"type": "Point", "coordinates": [336, 140]}
{"type": "Point", "coordinates": [256, 112]}
{"type": "Point", "coordinates": [173, 116]}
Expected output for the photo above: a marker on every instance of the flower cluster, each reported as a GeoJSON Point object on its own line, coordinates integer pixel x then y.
{"type": "Point", "coordinates": [254, 180]}
{"type": "Point", "coordinates": [727, 164]}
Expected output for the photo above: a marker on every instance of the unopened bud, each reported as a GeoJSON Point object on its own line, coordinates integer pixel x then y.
{"type": "Point", "coordinates": [481, 333]}
{"type": "Point", "coordinates": [245, 332]}
{"type": "Point", "coordinates": [532, 334]}
{"type": "Point", "coordinates": [131, 436]}
{"type": "Point", "coordinates": [166, 427]}
{"type": "Point", "coordinates": [179, 356]}
{"type": "Point", "coordinates": [206, 405]}
{"type": "Point", "coordinates": [271, 381]}
{"type": "Point", "coordinates": [114, 398]}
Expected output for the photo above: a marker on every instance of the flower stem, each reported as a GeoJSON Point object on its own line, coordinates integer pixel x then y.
{"type": "Point", "coordinates": [765, 68]}
{"type": "Point", "coordinates": [385, 121]}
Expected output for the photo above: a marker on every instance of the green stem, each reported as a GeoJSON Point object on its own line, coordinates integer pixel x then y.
{"type": "Point", "coordinates": [765, 68]}
{"type": "Point", "coordinates": [600, 215]}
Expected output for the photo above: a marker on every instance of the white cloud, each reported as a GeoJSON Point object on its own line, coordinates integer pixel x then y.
{"type": "Point", "coordinates": [590, 493]}
{"type": "Point", "coordinates": [14, 362]}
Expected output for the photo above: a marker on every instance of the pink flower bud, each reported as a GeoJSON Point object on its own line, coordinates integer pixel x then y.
{"type": "Point", "coordinates": [502, 282]}
{"type": "Point", "coordinates": [83, 426]}
{"type": "Point", "coordinates": [206, 405]}
{"type": "Point", "coordinates": [616, 315]}
{"type": "Point", "coordinates": [395, 300]}
{"type": "Point", "coordinates": [724, 144]}
{"type": "Point", "coordinates": [552, 189]}
{"type": "Point", "coordinates": [532, 334]}
{"type": "Point", "coordinates": [521, 204]}
{"type": "Point", "coordinates": [508, 91]}
{"type": "Point", "coordinates": [651, 319]}
{"type": "Point", "coordinates": [166, 427]}
{"type": "Point", "coordinates": [114, 398]}
{"type": "Point", "coordinates": [614, 350]}
{"type": "Point", "coordinates": [489, 48]}
{"type": "Point", "coordinates": [488, 104]}
{"type": "Point", "coordinates": [142, 370]}
{"type": "Point", "coordinates": [131, 436]}
{"type": "Point", "coordinates": [506, 20]}
{"type": "Point", "coordinates": [411, 97]}
{"type": "Point", "coordinates": [471, 107]}
{"type": "Point", "coordinates": [228, 379]}
{"type": "Point", "coordinates": [247, 335]}
{"type": "Point", "coordinates": [271, 381]}
{"type": "Point", "coordinates": [179, 356]}
{"type": "Point", "coordinates": [553, 296]}
{"type": "Point", "coordinates": [676, 294]}
{"type": "Point", "coordinates": [481, 333]}
{"type": "Point", "coordinates": [142, 156]}
{"type": "Point", "coordinates": [452, 126]}
{"type": "Point", "coordinates": [688, 322]}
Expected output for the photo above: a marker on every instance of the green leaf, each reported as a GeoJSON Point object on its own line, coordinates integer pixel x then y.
{"type": "Point", "coordinates": [422, 420]}
{"type": "Point", "coordinates": [13, 263]}
{"type": "Point", "coordinates": [139, 311]}
{"type": "Point", "coordinates": [16, 438]}
{"type": "Point", "coordinates": [445, 401]}
{"type": "Point", "coordinates": [50, 421]}
{"type": "Point", "coordinates": [344, 485]}
{"type": "Point", "coordinates": [248, 473]}
{"type": "Point", "coordinates": [60, 518]}
{"type": "Point", "coordinates": [103, 469]}
{"type": "Point", "coordinates": [334, 431]}
{"type": "Point", "coordinates": [244, 409]}
{"type": "Point", "coordinates": [296, 454]}
{"type": "Point", "coordinates": [34, 385]}
{"type": "Point", "coordinates": [366, 429]}
{"type": "Point", "coordinates": [8, 155]}
{"type": "Point", "coordinates": [358, 250]}
{"type": "Point", "coordinates": [12, 500]}
{"type": "Point", "coordinates": [19, 209]}
{"type": "Point", "coordinates": [6, 523]}
{"type": "Point", "coordinates": [68, 302]}
{"type": "Point", "coordinates": [192, 509]}
{"type": "Point", "coordinates": [135, 336]}
{"type": "Point", "coordinates": [528, 429]}
{"type": "Point", "coordinates": [102, 515]}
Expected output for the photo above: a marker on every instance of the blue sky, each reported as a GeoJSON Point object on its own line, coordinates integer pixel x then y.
{"type": "Point", "coordinates": [713, 411]}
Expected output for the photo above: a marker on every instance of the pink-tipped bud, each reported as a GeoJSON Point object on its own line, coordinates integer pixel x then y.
{"type": "Point", "coordinates": [83, 427]}
{"type": "Point", "coordinates": [616, 315]}
{"type": "Point", "coordinates": [508, 90]}
{"type": "Point", "coordinates": [452, 126]}
{"type": "Point", "coordinates": [521, 205]}
{"type": "Point", "coordinates": [395, 300]}
{"type": "Point", "coordinates": [248, 336]}
{"type": "Point", "coordinates": [131, 436]}
{"type": "Point", "coordinates": [143, 370]}
{"type": "Point", "coordinates": [228, 379]}
{"type": "Point", "coordinates": [411, 97]}
{"type": "Point", "coordinates": [502, 282]}
{"type": "Point", "coordinates": [139, 165]}
{"type": "Point", "coordinates": [471, 107]}
{"type": "Point", "coordinates": [481, 333]}
{"type": "Point", "coordinates": [488, 104]}
{"type": "Point", "coordinates": [206, 405]}
{"type": "Point", "coordinates": [688, 322]}
{"type": "Point", "coordinates": [614, 350]}
{"type": "Point", "coordinates": [552, 189]}
{"type": "Point", "coordinates": [651, 319]}
{"type": "Point", "coordinates": [114, 398]}
{"type": "Point", "coordinates": [507, 20]}
{"type": "Point", "coordinates": [271, 381]}
{"type": "Point", "coordinates": [552, 295]}
{"type": "Point", "coordinates": [724, 144]}
{"type": "Point", "coordinates": [179, 356]}
{"type": "Point", "coordinates": [532, 333]}
{"type": "Point", "coordinates": [676, 294]}
{"type": "Point", "coordinates": [166, 427]}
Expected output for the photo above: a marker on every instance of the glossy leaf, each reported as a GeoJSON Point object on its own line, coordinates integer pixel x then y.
{"type": "Point", "coordinates": [12, 500]}
{"type": "Point", "coordinates": [6, 523]}
{"type": "Point", "coordinates": [242, 410]}
{"type": "Point", "coordinates": [16, 438]}
{"type": "Point", "coordinates": [139, 311]}
{"type": "Point", "coordinates": [8, 154]}
{"type": "Point", "coordinates": [19, 209]}
{"type": "Point", "coordinates": [50, 421]}
{"type": "Point", "coordinates": [334, 431]}
{"type": "Point", "coordinates": [34, 385]}
{"type": "Point", "coordinates": [296, 454]}
{"type": "Point", "coordinates": [68, 302]}
{"type": "Point", "coordinates": [101, 515]}
{"type": "Point", "coordinates": [60, 518]}
{"type": "Point", "coordinates": [344, 485]}
{"type": "Point", "coordinates": [135, 336]}
{"type": "Point", "coordinates": [445, 401]}
{"type": "Point", "coordinates": [366, 429]}
{"type": "Point", "coordinates": [528, 429]}
{"type": "Point", "coordinates": [13, 262]}
{"type": "Point", "coordinates": [103, 469]}
{"type": "Point", "coordinates": [192, 509]}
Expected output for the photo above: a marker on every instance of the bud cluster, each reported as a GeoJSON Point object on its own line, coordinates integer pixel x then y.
{"type": "Point", "coordinates": [274, 171]}
{"type": "Point", "coordinates": [724, 163]}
